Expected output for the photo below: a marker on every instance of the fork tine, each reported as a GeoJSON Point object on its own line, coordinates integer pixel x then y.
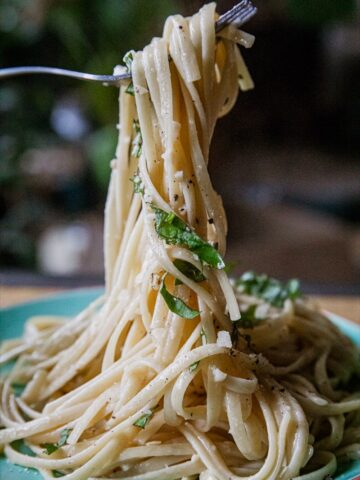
{"type": "Point", "coordinates": [236, 9]}
{"type": "Point", "coordinates": [243, 17]}
{"type": "Point", "coordinates": [239, 14]}
{"type": "Point", "coordinates": [241, 11]}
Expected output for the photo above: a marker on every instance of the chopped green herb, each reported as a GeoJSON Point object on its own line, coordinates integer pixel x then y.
{"type": "Point", "coordinates": [269, 289]}
{"type": "Point", "coordinates": [52, 447]}
{"type": "Point", "coordinates": [203, 335]}
{"type": "Point", "coordinates": [144, 419]}
{"type": "Point", "coordinates": [175, 304]}
{"type": "Point", "coordinates": [194, 366]}
{"type": "Point", "coordinates": [189, 270]}
{"type": "Point", "coordinates": [137, 140]}
{"type": "Point", "coordinates": [176, 232]}
{"type": "Point", "coordinates": [138, 183]}
{"type": "Point", "coordinates": [128, 59]}
{"type": "Point", "coordinates": [57, 474]}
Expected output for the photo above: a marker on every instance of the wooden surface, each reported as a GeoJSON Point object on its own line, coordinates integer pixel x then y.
{"type": "Point", "coordinates": [348, 307]}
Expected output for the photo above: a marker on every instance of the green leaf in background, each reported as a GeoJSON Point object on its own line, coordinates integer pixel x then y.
{"type": "Point", "coordinates": [100, 149]}
{"type": "Point", "coordinates": [176, 305]}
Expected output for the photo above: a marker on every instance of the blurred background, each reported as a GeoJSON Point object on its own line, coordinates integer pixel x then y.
{"type": "Point", "coordinates": [286, 160]}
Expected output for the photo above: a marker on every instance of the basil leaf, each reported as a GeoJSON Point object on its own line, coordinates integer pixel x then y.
{"type": "Point", "coordinates": [269, 289]}
{"type": "Point", "coordinates": [194, 366]}
{"type": "Point", "coordinates": [137, 140]}
{"type": "Point", "coordinates": [144, 419]}
{"type": "Point", "coordinates": [138, 184]}
{"type": "Point", "coordinates": [176, 305]}
{"type": "Point", "coordinates": [52, 447]}
{"type": "Point", "coordinates": [174, 231]}
{"type": "Point", "coordinates": [189, 270]}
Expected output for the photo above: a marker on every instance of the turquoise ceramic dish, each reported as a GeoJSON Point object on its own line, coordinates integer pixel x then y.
{"type": "Point", "coordinates": [69, 303]}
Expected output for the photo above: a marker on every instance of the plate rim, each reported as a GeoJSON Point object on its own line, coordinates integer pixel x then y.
{"type": "Point", "coordinates": [350, 328]}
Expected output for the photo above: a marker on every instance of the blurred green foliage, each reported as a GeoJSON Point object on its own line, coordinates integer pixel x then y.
{"type": "Point", "coordinates": [85, 35]}
{"type": "Point", "coordinates": [90, 36]}
{"type": "Point", "coordinates": [315, 12]}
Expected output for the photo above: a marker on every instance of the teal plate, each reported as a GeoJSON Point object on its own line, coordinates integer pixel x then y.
{"type": "Point", "coordinates": [69, 303]}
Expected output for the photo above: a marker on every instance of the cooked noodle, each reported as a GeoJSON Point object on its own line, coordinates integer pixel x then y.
{"type": "Point", "coordinates": [137, 389]}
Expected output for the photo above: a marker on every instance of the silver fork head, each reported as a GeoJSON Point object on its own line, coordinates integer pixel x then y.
{"type": "Point", "coordinates": [238, 15]}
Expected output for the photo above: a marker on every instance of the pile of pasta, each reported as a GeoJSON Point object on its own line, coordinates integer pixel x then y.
{"type": "Point", "coordinates": [177, 372]}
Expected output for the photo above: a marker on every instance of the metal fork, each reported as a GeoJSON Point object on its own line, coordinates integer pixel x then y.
{"type": "Point", "coordinates": [238, 15]}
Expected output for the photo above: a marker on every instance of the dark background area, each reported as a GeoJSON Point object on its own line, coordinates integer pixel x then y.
{"type": "Point", "coordinates": [286, 159]}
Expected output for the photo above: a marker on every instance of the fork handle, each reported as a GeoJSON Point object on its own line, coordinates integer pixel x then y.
{"type": "Point", "coordinates": [106, 79]}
